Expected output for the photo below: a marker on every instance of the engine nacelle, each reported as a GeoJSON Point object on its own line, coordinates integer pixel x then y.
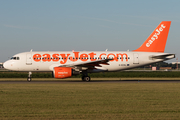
{"type": "Point", "coordinates": [62, 72]}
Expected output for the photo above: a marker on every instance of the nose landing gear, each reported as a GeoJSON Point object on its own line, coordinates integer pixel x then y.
{"type": "Point", "coordinates": [29, 77]}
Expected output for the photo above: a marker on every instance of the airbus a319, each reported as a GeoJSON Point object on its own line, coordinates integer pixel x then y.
{"type": "Point", "coordinates": [64, 64]}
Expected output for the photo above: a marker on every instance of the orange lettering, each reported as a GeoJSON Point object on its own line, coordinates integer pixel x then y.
{"type": "Point", "coordinates": [92, 56]}
{"type": "Point", "coordinates": [55, 57]}
{"type": "Point", "coordinates": [122, 56]}
{"type": "Point", "coordinates": [76, 56]}
{"type": "Point", "coordinates": [37, 57]}
{"type": "Point", "coordinates": [46, 57]}
{"type": "Point", "coordinates": [65, 58]}
{"type": "Point", "coordinates": [101, 55]}
{"type": "Point", "coordinates": [114, 58]}
{"type": "Point", "coordinates": [84, 57]}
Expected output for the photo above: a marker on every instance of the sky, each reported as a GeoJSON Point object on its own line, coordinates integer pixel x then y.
{"type": "Point", "coordinates": [91, 25]}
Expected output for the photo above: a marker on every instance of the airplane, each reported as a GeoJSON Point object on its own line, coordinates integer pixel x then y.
{"type": "Point", "coordinates": [64, 64]}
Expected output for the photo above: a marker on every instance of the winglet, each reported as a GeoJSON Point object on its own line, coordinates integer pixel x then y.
{"type": "Point", "coordinates": [156, 42]}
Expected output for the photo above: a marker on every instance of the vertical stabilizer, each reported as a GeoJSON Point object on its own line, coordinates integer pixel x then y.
{"type": "Point", "coordinates": [156, 42]}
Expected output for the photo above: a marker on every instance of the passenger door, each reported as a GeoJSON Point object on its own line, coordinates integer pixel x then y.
{"type": "Point", "coordinates": [136, 58]}
{"type": "Point", "coordinates": [28, 59]}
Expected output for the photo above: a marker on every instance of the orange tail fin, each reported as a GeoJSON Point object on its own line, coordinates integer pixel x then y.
{"type": "Point", "coordinates": [156, 42]}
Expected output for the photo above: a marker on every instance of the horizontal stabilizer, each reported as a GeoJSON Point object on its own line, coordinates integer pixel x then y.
{"type": "Point", "coordinates": [164, 57]}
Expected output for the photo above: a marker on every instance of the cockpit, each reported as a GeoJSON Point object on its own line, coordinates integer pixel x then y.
{"type": "Point", "coordinates": [15, 58]}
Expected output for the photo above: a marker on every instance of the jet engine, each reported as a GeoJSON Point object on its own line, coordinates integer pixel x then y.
{"type": "Point", "coordinates": [64, 72]}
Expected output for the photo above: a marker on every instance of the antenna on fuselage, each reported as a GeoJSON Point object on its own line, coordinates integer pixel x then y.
{"type": "Point", "coordinates": [106, 50]}
{"type": "Point", "coordinates": [31, 50]}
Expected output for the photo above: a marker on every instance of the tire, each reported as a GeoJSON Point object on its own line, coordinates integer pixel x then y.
{"type": "Point", "coordinates": [87, 79]}
{"type": "Point", "coordinates": [29, 79]}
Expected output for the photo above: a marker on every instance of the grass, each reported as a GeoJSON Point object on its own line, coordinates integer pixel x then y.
{"type": "Point", "coordinates": [90, 101]}
{"type": "Point", "coordinates": [92, 79]}
{"type": "Point", "coordinates": [121, 74]}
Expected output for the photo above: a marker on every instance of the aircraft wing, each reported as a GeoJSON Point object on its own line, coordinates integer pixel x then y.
{"type": "Point", "coordinates": [88, 64]}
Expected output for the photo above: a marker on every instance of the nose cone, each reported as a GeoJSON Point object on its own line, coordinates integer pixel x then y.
{"type": "Point", "coordinates": [7, 65]}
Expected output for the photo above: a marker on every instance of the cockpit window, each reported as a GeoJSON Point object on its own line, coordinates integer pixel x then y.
{"type": "Point", "coordinates": [15, 58]}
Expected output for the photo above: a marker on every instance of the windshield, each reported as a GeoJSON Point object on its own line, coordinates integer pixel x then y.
{"type": "Point", "coordinates": [15, 58]}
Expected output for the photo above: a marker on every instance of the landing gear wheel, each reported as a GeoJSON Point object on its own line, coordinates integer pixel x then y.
{"type": "Point", "coordinates": [87, 79]}
{"type": "Point", "coordinates": [29, 79]}
{"type": "Point", "coordinates": [85, 76]}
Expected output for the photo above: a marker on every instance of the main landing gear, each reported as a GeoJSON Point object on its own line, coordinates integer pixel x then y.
{"type": "Point", "coordinates": [85, 77]}
{"type": "Point", "coordinates": [29, 77]}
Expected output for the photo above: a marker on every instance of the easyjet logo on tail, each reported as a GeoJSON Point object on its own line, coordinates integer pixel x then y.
{"type": "Point", "coordinates": [63, 58]}
{"type": "Point", "coordinates": [155, 36]}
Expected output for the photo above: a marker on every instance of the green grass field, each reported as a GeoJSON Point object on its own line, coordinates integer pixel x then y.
{"type": "Point", "coordinates": [120, 74]}
{"type": "Point", "coordinates": [90, 101]}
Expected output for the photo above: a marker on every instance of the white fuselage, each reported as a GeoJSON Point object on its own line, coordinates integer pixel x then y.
{"type": "Point", "coordinates": [46, 61]}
